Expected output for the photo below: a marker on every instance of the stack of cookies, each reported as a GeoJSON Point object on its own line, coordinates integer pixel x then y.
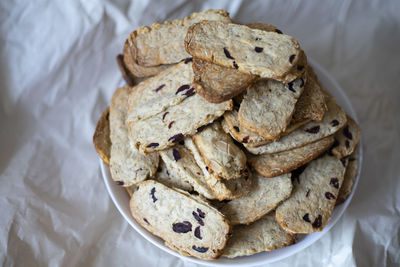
{"type": "Point", "coordinates": [224, 138]}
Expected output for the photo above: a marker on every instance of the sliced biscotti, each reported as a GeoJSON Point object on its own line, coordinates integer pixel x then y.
{"type": "Point", "coordinates": [138, 70]}
{"type": "Point", "coordinates": [262, 235]}
{"type": "Point", "coordinates": [253, 51]}
{"type": "Point", "coordinates": [163, 43]}
{"type": "Point", "coordinates": [160, 92]}
{"type": "Point", "coordinates": [271, 165]}
{"type": "Point", "coordinates": [223, 189]}
{"type": "Point", "coordinates": [350, 177]}
{"type": "Point", "coordinates": [311, 104]}
{"type": "Point", "coordinates": [101, 137]}
{"type": "Point", "coordinates": [268, 106]}
{"type": "Point", "coordinates": [220, 154]}
{"type": "Point", "coordinates": [164, 129]}
{"type": "Point", "coordinates": [171, 178]}
{"type": "Point", "coordinates": [314, 196]}
{"type": "Point", "coordinates": [180, 161]}
{"type": "Point", "coordinates": [217, 83]}
{"type": "Point", "coordinates": [127, 165]}
{"type": "Point", "coordinates": [190, 226]}
{"type": "Point", "coordinates": [334, 119]}
{"type": "Point", "coordinates": [264, 196]}
{"type": "Point", "coordinates": [346, 139]}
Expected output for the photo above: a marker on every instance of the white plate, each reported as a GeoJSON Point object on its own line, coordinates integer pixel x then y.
{"type": "Point", "coordinates": [121, 199]}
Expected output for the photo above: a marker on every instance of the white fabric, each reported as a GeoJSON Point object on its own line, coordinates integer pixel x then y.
{"type": "Point", "coordinates": [58, 72]}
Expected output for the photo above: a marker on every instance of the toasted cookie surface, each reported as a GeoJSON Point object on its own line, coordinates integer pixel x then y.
{"type": "Point", "coordinates": [350, 177]}
{"type": "Point", "coordinates": [268, 106]}
{"type": "Point", "coordinates": [163, 43]}
{"type": "Point", "coordinates": [271, 165]}
{"type": "Point", "coordinates": [219, 152]}
{"type": "Point", "coordinates": [253, 51]}
{"type": "Point", "coordinates": [264, 234]}
{"type": "Point", "coordinates": [223, 189]}
{"type": "Point", "coordinates": [264, 196]}
{"type": "Point", "coordinates": [334, 119]}
{"type": "Point", "coordinates": [190, 226]}
{"type": "Point", "coordinates": [127, 165]}
{"type": "Point", "coordinates": [101, 137]}
{"type": "Point", "coordinates": [346, 139]}
{"type": "Point", "coordinates": [314, 196]}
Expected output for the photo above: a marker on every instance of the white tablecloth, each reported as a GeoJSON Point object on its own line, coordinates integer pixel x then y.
{"type": "Point", "coordinates": [58, 72]}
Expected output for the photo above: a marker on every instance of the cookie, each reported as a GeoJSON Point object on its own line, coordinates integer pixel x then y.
{"type": "Point", "coordinates": [126, 74]}
{"type": "Point", "coordinates": [171, 178]}
{"type": "Point", "coordinates": [157, 93]}
{"type": "Point", "coordinates": [314, 196]}
{"type": "Point", "coordinates": [191, 227]}
{"type": "Point", "coordinates": [311, 104]}
{"type": "Point", "coordinates": [264, 196]}
{"type": "Point", "coordinates": [262, 235]}
{"type": "Point", "coordinates": [220, 154]}
{"type": "Point", "coordinates": [179, 160]}
{"type": "Point", "coordinates": [252, 51]}
{"type": "Point", "coordinates": [217, 83]}
{"type": "Point", "coordinates": [127, 165]}
{"type": "Point", "coordinates": [350, 177]}
{"type": "Point", "coordinates": [101, 137]}
{"type": "Point", "coordinates": [271, 165]}
{"type": "Point", "coordinates": [268, 106]}
{"type": "Point", "coordinates": [164, 129]}
{"type": "Point", "coordinates": [223, 189]}
{"type": "Point", "coordinates": [346, 139]}
{"type": "Point", "coordinates": [137, 70]}
{"type": "Point", "coordinates": [163, 43]}
{"type": "Point", "coordinates": [334, 119]}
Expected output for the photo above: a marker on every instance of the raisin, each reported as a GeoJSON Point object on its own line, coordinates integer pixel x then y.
{"type": "Point", "coordinates": [246, 139]}
{"type": "Point", "coordinates": [258, 49]}
{"type": "Point", "coordinates": [182, 88]}
{"type": "Point", "coordinates": [329, 195]}
{"type": "Point", "coordinates": [290, 87]}
{"type": "Point", "coordinates": [335, 182]}
{"type": "Point", "coordinates": [197, 232]}
{"type": "Point", "coordinates": [291, 58]}
{"type": "Point", "coordinates": [236, 129]}
{"type": "Point", "coordinates": [258, 39]}
{"type": "Point", "coordinates": [300, 68]}
{"type": "Point", "coordinates": [207, 168]}
{"type": "Point", "coordinates": [278, 31]}
{"type": "Point", "coordinates": [176, 138]}
{"type": "Point", "coordinates": [198, 219]}
{"type": "Point", "coordinates": [306, 218]}
{"type": "Point", "coordinates": [159, 88]}
{"type": "Point", "coordinates": [144, 219]}
{"type": "Point", "coordinates": [182, 142]}
{"type": "Point", "coordinates": [182, 227]}
{"type": "Point", "coordinates": [189, 59]}
{"type": "Point", "coordinates": [317, 222]}
{"type": "Point", "coordinates": [165, 114]}
{"type": "Point", "coordinates": [177, 155]}
{"type": "Point", "coordinates": [334, 123]}
{"type": "Point", "coordinates": [153, 190]}
{"type": "Point", "coordinates": [227, 54]}
{"type": "Point", "coordinates": [347, 133]}
{"type": "Point", "coordinates": [119, 182]}
{"type": "Point", "coordinates": [201, 213]}
{"type": "Point", "coordinates": [170, 124]}
{"type": "Point", "coordinates": [308, 193]}
{"type": "Point", "coordinates": [347, 144]}
{"type": "Point", "coordinates": [189, 92]}
{"type": "Point", "coordinates": [152, 145]}
{"type": "Point", "coordinates": [200, 249]}
{"type": "Point", "coordinates": [313, 130]}
{"type": "Point", "coordinates": [235, 65]}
